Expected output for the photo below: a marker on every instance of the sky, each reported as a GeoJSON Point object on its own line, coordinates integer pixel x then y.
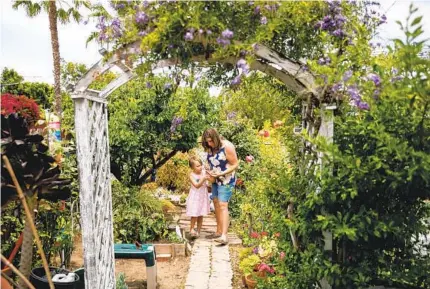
{"type": "Point", "coordinates": [25, 43]}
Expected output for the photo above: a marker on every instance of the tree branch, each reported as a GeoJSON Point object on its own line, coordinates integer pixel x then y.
{"type": "Point", "coordinates": [146, 175]}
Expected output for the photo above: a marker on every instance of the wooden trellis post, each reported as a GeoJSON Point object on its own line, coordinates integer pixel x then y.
{"type": "Point", "coordinates": [95, 190]}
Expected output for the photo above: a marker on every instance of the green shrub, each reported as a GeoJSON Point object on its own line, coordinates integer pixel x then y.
{"type": "Point", "coordinates": [138, 214]}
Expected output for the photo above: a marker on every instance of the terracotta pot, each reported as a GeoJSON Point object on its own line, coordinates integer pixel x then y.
{"type": "Point", "coordinates": [251, 279]}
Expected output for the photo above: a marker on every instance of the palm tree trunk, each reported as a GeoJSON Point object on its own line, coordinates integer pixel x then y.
{"type": "Point", "coordinates": [52, 13]}
{"type": "Point", "coordinates": [27, 248]}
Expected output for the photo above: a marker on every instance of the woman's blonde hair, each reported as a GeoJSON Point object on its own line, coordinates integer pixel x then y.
{"type": "Point", "coordinates": [216, 138]}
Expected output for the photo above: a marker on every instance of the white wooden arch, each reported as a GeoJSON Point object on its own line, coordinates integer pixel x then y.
{"type": "Point", "coordinates": [91, 124]}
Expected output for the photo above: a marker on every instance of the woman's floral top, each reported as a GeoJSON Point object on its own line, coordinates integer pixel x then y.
{"type": "Point", "coordinates": [218, 163]}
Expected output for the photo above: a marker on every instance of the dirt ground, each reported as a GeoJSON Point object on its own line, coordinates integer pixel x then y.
{"type": "Point", "coordinates": [237, 275]}
{"type": "Point", "coordinates": [170, 275]}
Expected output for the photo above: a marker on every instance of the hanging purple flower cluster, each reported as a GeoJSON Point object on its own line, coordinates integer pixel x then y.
{"type": "Point", "coordinates": [231, 115]}
{"type": "Point", "coordinates": [334, 22]}
{"type": "Point", "coordinates": [189, 35]}
{"type": "Point", "coordinates": [176, 121]}
{"type": "Point", "coordinates": [396, 76]}
{"type": "Point", "coordinates": [108, 31]}
{"type": "Point", "coordinates": [356, 99]}
{"type": "Point", "coordinates": [116, 28]}
{"type": "Point", "coordinates": [225, 38]}
{"type": "Point", "coordinates": [244, 67]}
{"type": "Point", "coordinates": [102, 26]}
{"type": "Point", "coordinates": [324, 61]}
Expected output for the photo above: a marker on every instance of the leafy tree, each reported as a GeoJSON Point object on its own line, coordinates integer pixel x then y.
{"type": "Point", "coordinates": [64, 15]}
{"type": "Point", "coordinates": [260, 98]}
{"type": "Point", "coordinates": [14, 83]}
{"type": "Point", "coordinates": [148, 126]}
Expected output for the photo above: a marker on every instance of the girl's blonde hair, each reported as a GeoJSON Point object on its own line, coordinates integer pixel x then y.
{"type": "Point", "coordinates": [193, 159]}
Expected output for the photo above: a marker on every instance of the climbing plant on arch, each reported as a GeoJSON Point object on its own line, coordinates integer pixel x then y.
{"type": "Point", "coordinates": [230, 38]}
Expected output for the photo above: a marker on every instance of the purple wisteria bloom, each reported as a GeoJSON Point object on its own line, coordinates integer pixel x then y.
{"type": "Point", "coordinates": [243, 65]}
{"type": "Point", "coordinates": [336, 87]}
{"type": "Point", "coordinates": [228, 34]}
{"type": "Point", "coordinates": [263, 20]}
{"type": "Point", "coordinates": [141, 17]}
{"type": "Point", "coordinates": [222, 41]}
{"type": "Point", "coordinates": [142, 33]}
{"type": "Point", "coordinates": [347, 75]}
{"type": "Point", "coordinates": [236, 80]}
{"type": "Point", "coordinates": [375, 78]}
{"type": "Point", "coordinates": [167, 86]}
{"type": "Point", "coordinates": [363, 105]}
{"type": "Point", "coordinates": [176, 121]}
{"type": "Point", "coordinates": [255, 46]}
{"type": "Point", "coordinates": [231, 115]}
{"type": "Point", "coordinates": [145, 3]}
{"type": "Point", "coordinates": [201, 31]}
{"type": "Point", "coordinates": [354, 93]}
{"type": "Point", "coordinates": [257, 10]}
{"type": "Point", "coordinates": [188, 36]}
{"type": "Point", "coordinates": [255, 250]}
{"type": "Point", "coordinates": [208, 32]}
{"type": "Point", "coordinates": [148, 84]}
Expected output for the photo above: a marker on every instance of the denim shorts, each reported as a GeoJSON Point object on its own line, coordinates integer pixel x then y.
{"type": "Point", "coordinates": [222, 192]}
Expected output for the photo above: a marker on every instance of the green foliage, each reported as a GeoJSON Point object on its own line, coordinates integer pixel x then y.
{"type": "Point", "coordinates": [174, 175]}
{"type": "Point", "coordinates": [239, 131]}
{"type": "Point", "coordinates": [120, 281]}
{"type": "Point", "coordinates": [148, 126]}
{"type": "Point", "coordinates": [370, 194]}
{"type": "Point", "coordinates": [260, 99]}
{"type": "Point", "coordinates": [137, 214]}
{"type": "Point", "coordinates": [64, 14]}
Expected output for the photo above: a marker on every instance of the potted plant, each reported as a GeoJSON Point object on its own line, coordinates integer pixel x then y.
{"type": "Point", "coordinates": [248, 266]}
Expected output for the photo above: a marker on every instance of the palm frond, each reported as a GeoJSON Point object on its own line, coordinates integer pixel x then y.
{"type": "Point", "coordinates": [32, 9]}
{"type": "Point", "coordinates": [91, 38]}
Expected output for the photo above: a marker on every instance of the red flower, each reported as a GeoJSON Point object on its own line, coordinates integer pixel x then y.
{"type": "Point", "coordinates": [264, 233]}
{"type": "Point", "coordinates": [254, 235]}
{"type": "Point", "coordinates": [21, 105]}
{"type": "Point", "coordinates": [239, 182]}
{"type": "Point", "coordinates": [277, 235]}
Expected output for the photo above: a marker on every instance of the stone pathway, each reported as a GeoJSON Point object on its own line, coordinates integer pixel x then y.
{"type": "Point", "coordinates": [210, 266]}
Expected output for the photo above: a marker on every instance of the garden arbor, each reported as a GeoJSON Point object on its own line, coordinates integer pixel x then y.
{"type": "Point", "coordinates": [93, 144]}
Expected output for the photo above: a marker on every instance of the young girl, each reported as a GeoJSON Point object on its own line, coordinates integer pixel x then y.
{"type": "Point", "coordinates": [197, 201]}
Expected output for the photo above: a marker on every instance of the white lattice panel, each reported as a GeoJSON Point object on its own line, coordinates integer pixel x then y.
{"type": "Point", "coordinates": [95, 192]}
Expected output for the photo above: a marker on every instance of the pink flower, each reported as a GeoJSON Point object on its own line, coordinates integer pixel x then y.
{"type": "Point", "coordinates": [277, 235]}
{"type": "Point", "coordinates": [249, 159]}
{"type": "Point", "coordinates": [254, 235]}
{"type": "Point", "coordinates": [282, 255]}
{"type": "Point", "coordinates": [264, 233]}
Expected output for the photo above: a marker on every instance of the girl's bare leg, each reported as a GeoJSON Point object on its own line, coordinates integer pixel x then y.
{"type": "Point", "coordinates": [199, 224]}
{"type": "Point", "coordinates": [192, 224]}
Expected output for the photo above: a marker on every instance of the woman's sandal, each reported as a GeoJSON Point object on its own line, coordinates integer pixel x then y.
{"type": "Point", "coordinates": [221, 241]}
{"type": "Point", "coordinates": [213, 236]}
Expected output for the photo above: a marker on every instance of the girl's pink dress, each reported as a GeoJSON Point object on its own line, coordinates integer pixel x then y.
{"type": "Point", "coordinates": [198, 200]}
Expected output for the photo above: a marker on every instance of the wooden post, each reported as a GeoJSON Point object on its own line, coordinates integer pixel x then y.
{"type": "Point", "coordinates": [326, 130]}
{"type": "Point", "coordinates": [95, 192]}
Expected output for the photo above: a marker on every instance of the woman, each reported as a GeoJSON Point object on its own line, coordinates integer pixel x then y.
{"type": "Point", "coordinates": [223, 162]}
